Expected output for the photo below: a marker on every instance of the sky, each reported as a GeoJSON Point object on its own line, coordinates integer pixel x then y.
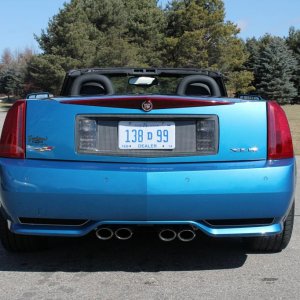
{"type": "Point", "coordinates": [21, 19]}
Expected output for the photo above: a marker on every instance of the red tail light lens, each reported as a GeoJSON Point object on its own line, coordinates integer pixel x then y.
{"type": "Point", "coordinates": [12, 142]}
{"type": "Point", "coordinates": [280, 143]}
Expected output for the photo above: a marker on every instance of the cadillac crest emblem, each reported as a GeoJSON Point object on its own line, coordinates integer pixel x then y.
{"type": "Point", "coordinates": [147, 105]}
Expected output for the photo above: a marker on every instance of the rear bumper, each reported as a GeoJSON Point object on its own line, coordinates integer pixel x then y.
{"type": "Point", "coordinates": [141, 194]}
{"type": "Point", "coordinates": [77, 231]}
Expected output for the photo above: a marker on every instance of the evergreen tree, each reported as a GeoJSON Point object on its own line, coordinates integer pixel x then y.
{"type": "Point", "coordinates": [293, 41]}
{"type": "Point", "coordinates": [253, 48]}
{"type": "Point", "coordinates": [12, 71]}
{"type": "Point", "coordinates": [106, 33]}
{"type": "Point", "coordinates": [276, 66]}
{"type": "Point", "coordinates": [46, 73]}
{"type": "Point", "coordinates": [198, 36]}
{"type": "Point", "coordinates": [146, 25]}
{"type": "Point", "coordinates": [10, 82]}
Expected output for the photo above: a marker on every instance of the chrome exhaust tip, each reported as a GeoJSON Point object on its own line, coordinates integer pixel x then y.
{"type": "Point", "coordinates": [167, 235]}
{"type": "Point", "coordinates": [104, 233]}
{"type": "Point", "coordinates": [123, 233]}
{"type": "Point", "coordinates": [186, 235]}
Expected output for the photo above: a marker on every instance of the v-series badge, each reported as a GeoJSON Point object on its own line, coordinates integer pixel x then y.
{"type": "Point", "coordinates": [252, 149]}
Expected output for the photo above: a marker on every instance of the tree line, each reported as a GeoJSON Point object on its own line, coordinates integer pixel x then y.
{"type": "Point", "coordinates": [140, 33]}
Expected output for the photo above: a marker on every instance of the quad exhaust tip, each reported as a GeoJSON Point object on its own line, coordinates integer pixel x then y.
{"type": "Point", "coordinates": [186, 235]}
{"type": "Point", "coordinates": [167, 235]}
{"type": "Point", "coordinates": [123, 233]}
{"type": "Point", "coordinates": [104, 233]}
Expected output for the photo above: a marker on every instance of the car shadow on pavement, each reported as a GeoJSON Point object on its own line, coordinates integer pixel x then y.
{"type": "Point", "coordinates": [140, 254]}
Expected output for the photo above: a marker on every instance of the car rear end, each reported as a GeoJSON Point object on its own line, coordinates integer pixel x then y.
{"type": "Point", "coordinates": [109, 164]}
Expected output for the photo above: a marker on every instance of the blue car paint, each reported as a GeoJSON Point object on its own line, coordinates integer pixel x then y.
{"type": "Point", "coordinates": [242, 124]}
{"type": "Point", "coordinates": [110, 193]}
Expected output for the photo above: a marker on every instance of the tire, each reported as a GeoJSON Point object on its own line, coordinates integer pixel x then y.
{"type": "Point", "coordinates": [273, 243]}
{"type": "Point", "coordinates": [19, 243]}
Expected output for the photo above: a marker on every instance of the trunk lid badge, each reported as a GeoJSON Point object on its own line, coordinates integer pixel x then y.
{"type": "Point", "coordinates": [147, 105]}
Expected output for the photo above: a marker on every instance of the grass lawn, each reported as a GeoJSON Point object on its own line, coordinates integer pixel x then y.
{"type": "Point", "coordinates": [4, 107]}
{"type": "Point", "coordinates": [4, 104]}
{"type": "Point", "coordinates": [293, 115]}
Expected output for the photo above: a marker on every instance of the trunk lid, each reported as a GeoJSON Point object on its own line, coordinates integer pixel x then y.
{"type": "Point", "coordinates": [201, 130]}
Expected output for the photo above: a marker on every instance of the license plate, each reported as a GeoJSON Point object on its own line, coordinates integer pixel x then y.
{"type": "Point", "coordinates": [154, 135]}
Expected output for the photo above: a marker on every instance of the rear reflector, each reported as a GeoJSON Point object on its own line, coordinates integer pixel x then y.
{"type": "Point", "coordinates": [240, 222]}
{"type": "Point", "coordinates": [55, 222]}
{"type": "Point", "coordinates": [280, 143]}
{"type": "Point", "coordinates": [12, 143]}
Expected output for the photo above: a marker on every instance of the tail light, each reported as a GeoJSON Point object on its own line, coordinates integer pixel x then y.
{"type": "Point", "coordinates": [12, 142]}
{"type": "Point", "coordinates": [280, 143]}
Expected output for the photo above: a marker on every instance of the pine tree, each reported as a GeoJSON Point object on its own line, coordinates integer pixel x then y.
{"type": "Point", "coordinates": [12, 71]}
{"type": "Point", "coordinates": [276, 66]}
{"type": "Point", "coordinates": [46, 72]}
{"type": "Point", "coordinates": [106, 33]}
{"type": "Point", "coordinates": [293, 41]}
{"type": "Point", "coordinates": [198, 36]}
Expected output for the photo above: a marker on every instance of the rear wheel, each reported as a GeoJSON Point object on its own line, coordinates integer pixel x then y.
{"type": "Point", "coordinates": [274, 243]}
{"type": "Point", "coordinates": [19, 243]}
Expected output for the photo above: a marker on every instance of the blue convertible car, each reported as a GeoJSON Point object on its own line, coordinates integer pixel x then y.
{"type": "Point", "coordinates": [130, 149]}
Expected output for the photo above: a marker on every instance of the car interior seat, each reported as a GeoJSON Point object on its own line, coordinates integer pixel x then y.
{"type": "Point", "coordinates": [92, 84]}
{"type": "Point", "coordinates": [198, 85]}
{"type": "Point", "coordinates": [92, 88]}
{"type": "Point", "coordinates": [197, 89]}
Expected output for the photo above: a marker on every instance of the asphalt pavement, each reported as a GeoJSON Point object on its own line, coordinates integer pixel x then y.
{"type": "Point", "coordinates": [146, 268]}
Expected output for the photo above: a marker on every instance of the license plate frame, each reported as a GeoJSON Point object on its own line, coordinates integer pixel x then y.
{"type": "Point", "coordinates": [146, 135]}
